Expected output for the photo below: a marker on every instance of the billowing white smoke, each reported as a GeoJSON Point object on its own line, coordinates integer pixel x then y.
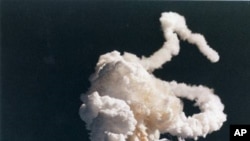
{"type": "Point", "coordinates": [126, 102]}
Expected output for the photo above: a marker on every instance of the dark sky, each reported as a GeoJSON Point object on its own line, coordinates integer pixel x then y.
{"type": "Point", "coordinates": [49, 49]}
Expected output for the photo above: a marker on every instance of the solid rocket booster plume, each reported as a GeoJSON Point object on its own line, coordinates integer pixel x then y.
{"type": "Point", "coordinates": [173, 24]}
{"type": "Point", "coordinates": [126, 102]}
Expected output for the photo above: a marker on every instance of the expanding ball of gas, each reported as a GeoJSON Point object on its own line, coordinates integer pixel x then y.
{"type": "Point", "coordinates": [126, 102]}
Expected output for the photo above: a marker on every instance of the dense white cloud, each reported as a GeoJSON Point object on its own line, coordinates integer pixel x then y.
{"type": "Point", "coordinates": [126, 102]}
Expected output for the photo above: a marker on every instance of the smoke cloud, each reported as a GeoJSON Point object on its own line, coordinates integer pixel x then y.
{"type": "Point", "coordinates": [126, 102]}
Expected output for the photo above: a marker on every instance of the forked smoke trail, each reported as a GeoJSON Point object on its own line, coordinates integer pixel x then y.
{"type": "Point", "coordinates": [173, 24]}
{"type": "Point", "coordinates": [126, 102]}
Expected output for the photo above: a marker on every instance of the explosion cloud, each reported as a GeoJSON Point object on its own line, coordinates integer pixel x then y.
{"type": "Point", "coordinates": [126, 102]}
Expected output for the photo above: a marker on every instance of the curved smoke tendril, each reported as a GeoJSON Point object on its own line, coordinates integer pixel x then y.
{"type": "Point", "coordinates": [126, 102]}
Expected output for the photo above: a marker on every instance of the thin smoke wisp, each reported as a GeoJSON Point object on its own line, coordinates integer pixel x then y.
{"type": "Point", "coordinates": [126, 102]}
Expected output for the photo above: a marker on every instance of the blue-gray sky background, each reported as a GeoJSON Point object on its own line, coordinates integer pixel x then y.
{"type": "Point", "coordinates": [49, 49]}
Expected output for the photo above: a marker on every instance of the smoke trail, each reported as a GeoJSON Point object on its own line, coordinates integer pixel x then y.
{"type": "Point", "coordinates": [173, 24]}
{"type": "Point", "coordinates": [126, 102]}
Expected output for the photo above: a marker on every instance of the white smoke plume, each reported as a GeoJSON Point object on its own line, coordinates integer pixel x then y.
{"type": "Point", "coordinates": [126, 102]}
